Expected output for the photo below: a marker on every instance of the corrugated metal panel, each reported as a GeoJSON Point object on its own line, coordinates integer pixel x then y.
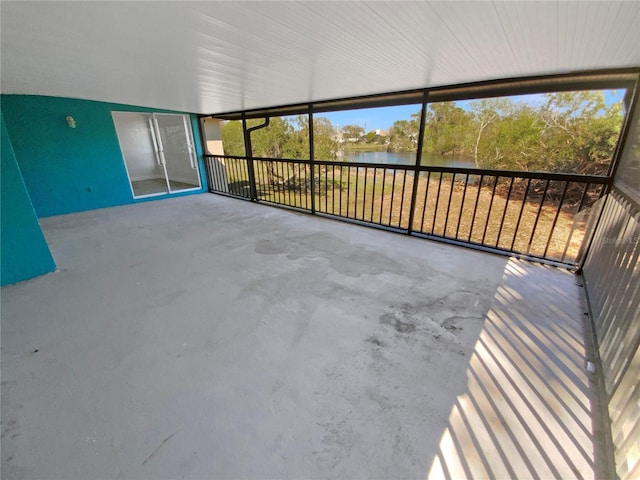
{"type": "Point", "coordinates": [612, 274]}
{"type": "Point", "coordinates": [212, 57]}
{"type": "Point", "coordinates": [628, 174]}
{"type": "Point", "coordinates": [624, 410]}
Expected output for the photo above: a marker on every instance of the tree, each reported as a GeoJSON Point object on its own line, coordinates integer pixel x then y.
{"type": "Point", "coordinates": [487, 111]}
{"type": "Point", "coordinates": [233, 138]}
{"type": "Point", "coordinates": [403, 135]}
{"type": "Point", "coordinates": [508, 138]}
{"type": "Point", "coordinates": [447, 128]}
{"type": "Point", "coordinates": [570, 132]}
{"type": "Point", "coordinates": [324, 144]}
{"type": "Point", "coordinates": [273, 141]}
{"type": "Point", "coordinates": [352, 133]}
{"type": "Point", "coordinates": [580, 131]}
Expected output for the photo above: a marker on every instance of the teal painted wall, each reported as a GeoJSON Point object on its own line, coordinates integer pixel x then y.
{"type": "Point", "coordinates": [66, 169]}
{"type": "Point", "coordinates": [23, 249]}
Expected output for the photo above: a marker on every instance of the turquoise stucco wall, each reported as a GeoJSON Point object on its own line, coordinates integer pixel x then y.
{"type": "Point", "coordinates": [66, 169]}
{"type": "Point", "coordinates": [23, 249]}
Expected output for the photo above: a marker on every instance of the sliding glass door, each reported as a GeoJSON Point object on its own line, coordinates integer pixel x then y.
{"type": "Point", "coordinates": [158, 151]}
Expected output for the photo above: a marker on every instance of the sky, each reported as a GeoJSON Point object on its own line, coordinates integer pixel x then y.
{"type": "Point", "coordinates": [383, 117]}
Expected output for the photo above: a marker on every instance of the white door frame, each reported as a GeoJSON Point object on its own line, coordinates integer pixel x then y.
{"type": "Point", "coordinates": [159, 151]}
{"type": "Point", "coordinates": [193, 158]}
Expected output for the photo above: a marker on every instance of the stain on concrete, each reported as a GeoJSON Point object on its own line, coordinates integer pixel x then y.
{"type": "Point", "coordinates": [270, 247]}
{"type": "Point", "coordinates": [393, 321]}
{"type": "Point", "coordinates": [338, 443]}
{"type": "Point", "coordinates": [169, 298]}
{"type": "Point", "coordinates": [447, 323]}
{"type": "Point", "coordinates": [348, 259]}
{"type": "Point", "coordinates": [376, 342]}
{"type": "Point", "coordinates": [277, 386]}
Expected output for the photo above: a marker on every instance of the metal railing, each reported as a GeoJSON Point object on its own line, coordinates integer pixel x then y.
{"type": "Point", "coordinates": [541, 216]}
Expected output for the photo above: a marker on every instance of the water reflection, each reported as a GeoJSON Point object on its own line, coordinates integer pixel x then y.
{"type": "Point", "coordinates": [406, 158]}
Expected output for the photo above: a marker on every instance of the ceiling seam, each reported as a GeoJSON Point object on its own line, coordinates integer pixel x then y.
{"type": "Point", "coordinates": [504, 31]}
{"type": "Point", "coordinates": [630, 31]}
{"type": "Point", "coordinates": [473, 59]}
{"type": "Point", "coordinates": [408, 39]}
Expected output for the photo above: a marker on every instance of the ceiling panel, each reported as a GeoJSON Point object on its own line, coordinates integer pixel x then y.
{"type": "Point", "coordinates": [224, 56]}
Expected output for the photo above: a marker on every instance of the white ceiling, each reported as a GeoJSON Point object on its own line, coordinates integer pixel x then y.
{"type": "Point", "coordinates": [213, 57]}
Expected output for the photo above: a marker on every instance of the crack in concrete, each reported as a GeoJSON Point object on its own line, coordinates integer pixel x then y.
{"type": "Point", "coordinates": [158, 447]}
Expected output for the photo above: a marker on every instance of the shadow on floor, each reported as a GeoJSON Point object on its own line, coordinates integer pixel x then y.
{"type": "Point", "coordinates": [526, 412]}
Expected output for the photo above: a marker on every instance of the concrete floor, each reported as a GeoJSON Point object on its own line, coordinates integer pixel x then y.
{"type": "Point", "coordinates": [206, 337]}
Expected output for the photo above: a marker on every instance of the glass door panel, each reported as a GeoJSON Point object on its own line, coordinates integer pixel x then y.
{"type": "Point", "coordinates": [142, 159]}
{"type": "Point", "coordinates": [177, 148]}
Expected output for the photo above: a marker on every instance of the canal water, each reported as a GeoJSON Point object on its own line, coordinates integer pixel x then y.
{"type": "Point", "coordinates": [407, 158]}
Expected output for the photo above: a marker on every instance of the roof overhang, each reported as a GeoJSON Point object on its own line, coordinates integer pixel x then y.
{"type": "Point", "coordinates": [211, 57]}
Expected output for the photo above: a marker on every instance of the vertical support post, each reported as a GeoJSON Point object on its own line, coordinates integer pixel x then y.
{"type": "Point", "coordinates": [416, 172]}
{"type": "Point", "coordinates": [202, 135]}
{"type": "Point", "coordinates": [613, 167]}
{"type": "Point", "coordinates": [249, 153]}
{"type": "Point", "coordinates": [205, 151]}
{"type": "Point", "coordinates": [311, 162]}
{"type": "Point", "coordinates": [604, 192]}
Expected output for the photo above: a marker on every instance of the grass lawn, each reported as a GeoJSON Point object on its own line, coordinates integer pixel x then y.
{"type": "Point", "coordinates": [363, 147]}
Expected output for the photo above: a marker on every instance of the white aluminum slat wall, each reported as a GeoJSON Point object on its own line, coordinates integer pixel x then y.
{"type": "Point", "coordinates": [612, 274]}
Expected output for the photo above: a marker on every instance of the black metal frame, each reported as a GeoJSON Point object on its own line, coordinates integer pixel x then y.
{"type": "Point", "coordinates": [255, 169]}
{"type": "Point", "coordinates": [585, 80]}
{"type": "Point", "coordinates": [613, 168]}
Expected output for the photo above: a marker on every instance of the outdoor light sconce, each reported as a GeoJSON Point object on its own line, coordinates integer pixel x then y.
{"type": "Point", "coordinates": [71, 121]}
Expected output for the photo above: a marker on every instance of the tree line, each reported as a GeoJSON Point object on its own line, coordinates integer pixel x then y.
{"type": "Point", "coordinates": [569, 132]}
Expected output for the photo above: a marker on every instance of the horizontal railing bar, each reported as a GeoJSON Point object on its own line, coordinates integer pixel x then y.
{"type": "Point", "coordinates": [231, 195]}
{"type": "Point", "coordinates": [569, 177]}
{"type": "Point", "coordinates": [388, 166]}
{"type": "Point", "coordinates": [599, 179]}
{"type": "Point", "coordinates": [284, 205]}
{"type": "Point", "coordinates": [262, 159]}
{"type": "Point", "coordinates": [236, 157]}
{"type": "Point", "coordinates": [497, 251]}
{"type": "Point", "coordinates": [365, 223]}
{"type": "Point", "coordinates": [283, 160]}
